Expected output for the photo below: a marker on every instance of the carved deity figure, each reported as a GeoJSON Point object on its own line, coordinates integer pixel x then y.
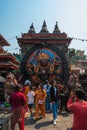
{"type": "Point", "coordinates": [9, 84]}
{"type": "Point", "coordinates": [45, 68]}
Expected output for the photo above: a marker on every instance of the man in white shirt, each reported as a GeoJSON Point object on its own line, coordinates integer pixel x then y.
{"type": "Point", "coordinates": [30, 96]}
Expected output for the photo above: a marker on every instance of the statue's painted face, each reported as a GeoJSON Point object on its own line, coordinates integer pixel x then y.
{"type": "Point", "coordinates": [43, 62]}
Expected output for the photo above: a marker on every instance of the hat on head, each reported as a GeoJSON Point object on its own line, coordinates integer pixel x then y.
{"type": "Point", "coordinates": [27, 82]}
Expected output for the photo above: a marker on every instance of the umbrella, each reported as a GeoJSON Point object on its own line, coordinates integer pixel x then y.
{"type": "Point", "coordinates": [2, 79]}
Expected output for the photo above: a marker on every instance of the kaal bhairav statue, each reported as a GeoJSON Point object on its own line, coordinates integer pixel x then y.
{"type": "Point", "coordinates": [45, 69]}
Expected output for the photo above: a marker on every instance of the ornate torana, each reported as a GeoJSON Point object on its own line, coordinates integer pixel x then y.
{"type": "Point", "coordinates": [44, 54]}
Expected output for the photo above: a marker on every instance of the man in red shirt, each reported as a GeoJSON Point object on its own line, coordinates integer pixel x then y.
{"type": "Point", "coordinates": [78, 106]}
{"type": "Point", "coordinates": [17, 101]}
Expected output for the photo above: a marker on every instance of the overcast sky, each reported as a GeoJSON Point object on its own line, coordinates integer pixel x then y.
{"type": "Point", "coordinates": [16, 17]}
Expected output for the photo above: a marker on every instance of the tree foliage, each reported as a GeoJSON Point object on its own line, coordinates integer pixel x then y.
{"type": "Point", "coordinates": [76, 55]}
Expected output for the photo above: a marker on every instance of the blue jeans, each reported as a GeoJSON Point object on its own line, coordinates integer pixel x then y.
{"type": "Point", "coordinates": [48, 101]}
{"type": "Point", "coordinates": [47, 104]}
{"type": "Point", "coordinates": [55, 109]}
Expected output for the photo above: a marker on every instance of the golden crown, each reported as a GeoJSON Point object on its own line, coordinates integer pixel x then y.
{"type": "Point", "coordinates": [43, 56]}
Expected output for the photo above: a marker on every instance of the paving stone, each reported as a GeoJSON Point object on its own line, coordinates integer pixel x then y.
{"type": "Point", "coordinates": [64, 122]}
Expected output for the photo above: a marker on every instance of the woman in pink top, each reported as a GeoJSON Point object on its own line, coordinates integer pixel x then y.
{"type": "Point", "coordinates": [17, 101]}
{"type": "Point", "coordinates": [78, 106]}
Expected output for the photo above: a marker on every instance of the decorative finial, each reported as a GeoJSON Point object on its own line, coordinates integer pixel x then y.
{"type": "Point", "coordinates": [44, 28]}
{"type": "Point", "coordinates": [32, 29]}
{"type": "Point", "coordinates": [56, 29]}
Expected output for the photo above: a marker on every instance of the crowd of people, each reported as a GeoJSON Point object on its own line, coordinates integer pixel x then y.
{"type": "Point", "coordinates": [44, 98]}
